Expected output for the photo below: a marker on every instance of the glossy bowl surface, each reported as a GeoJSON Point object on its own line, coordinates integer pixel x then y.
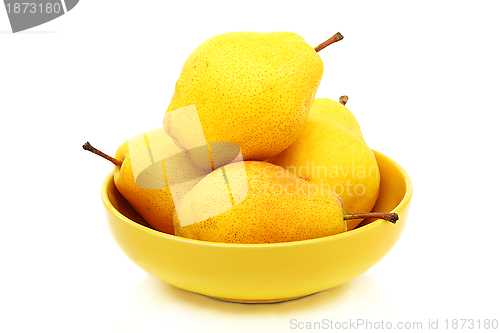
{"type": "Point", "coordinates": [261, 272]}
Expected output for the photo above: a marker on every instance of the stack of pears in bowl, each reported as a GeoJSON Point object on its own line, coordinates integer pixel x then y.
{"type": "Point", "coordinates": [254, 190]}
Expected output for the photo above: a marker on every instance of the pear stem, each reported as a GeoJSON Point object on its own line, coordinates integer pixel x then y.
{"type": "Point", "coordinates": [343, 99]}
{"type": "Point", "coordinates": [88, 147]}
{"type": "Point", "coordinates": [329, 41]}
{"type": "Point", "coordinates": [391, 217]}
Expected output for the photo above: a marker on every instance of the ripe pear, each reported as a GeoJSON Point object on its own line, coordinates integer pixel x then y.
{"type": "Point", "coordinates": [253, 202]}
{"type": "Point", "coordinates": [251, 89]}
{"type": "Point", "coordinates": [152, 175]}
{"type": "Point", "coordinates": [331, 153]}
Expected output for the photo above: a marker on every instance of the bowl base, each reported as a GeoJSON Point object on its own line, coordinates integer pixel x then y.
{"type": "Point", "coordinates": [252, 301]}
{"type": "Point", "coordinates": [260, 301]}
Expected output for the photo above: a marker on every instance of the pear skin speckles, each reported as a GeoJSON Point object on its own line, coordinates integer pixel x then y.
{"type": "Point", "coordinates": [153, 199]}
{"type": "Point", "coordinates": [279, 207]}
{"type": "Point", "coordinates": [251, 89]}
{"type": "Point", "coordinates": [331, 152]}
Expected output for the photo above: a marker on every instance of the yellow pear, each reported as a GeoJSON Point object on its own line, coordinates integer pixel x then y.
{"type": "Point", "coordinates": [332, 110]}
{"type": "Point", "coordinates": [331, 153]}
{"type": "Point", "coordinates": [255, 202]}
{"type": "Point", "coordinates": [152, 175]}
{"type": "Point", "coordinates": [251, 89]}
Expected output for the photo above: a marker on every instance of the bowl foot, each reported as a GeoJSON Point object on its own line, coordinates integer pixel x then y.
{"type": "Point", "coordinates": [260, 301]}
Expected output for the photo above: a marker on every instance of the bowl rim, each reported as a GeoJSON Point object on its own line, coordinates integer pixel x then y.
{"type": "Point", "coordinates": [403, 203]}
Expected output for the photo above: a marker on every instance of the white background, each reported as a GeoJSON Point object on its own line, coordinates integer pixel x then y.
{"type": "Point", "coordinates": [423, 82]}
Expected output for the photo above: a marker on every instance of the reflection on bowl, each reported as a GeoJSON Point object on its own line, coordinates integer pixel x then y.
{"type": "Point", "coordinates": [261, 272]}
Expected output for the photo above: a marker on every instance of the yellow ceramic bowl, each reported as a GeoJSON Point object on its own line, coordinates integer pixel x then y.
{"type": "Point", "coordinates": [261, 272]}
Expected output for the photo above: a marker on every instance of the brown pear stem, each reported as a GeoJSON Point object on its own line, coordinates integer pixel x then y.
{"type": "Point", "coordinates": [391, 217]}
{"type": "Point", "coordinates": [335, 38]}
{"type": "Point", "coordinates": [88, 147]}
{"type": "Point", "coordinates": [343, 99]}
